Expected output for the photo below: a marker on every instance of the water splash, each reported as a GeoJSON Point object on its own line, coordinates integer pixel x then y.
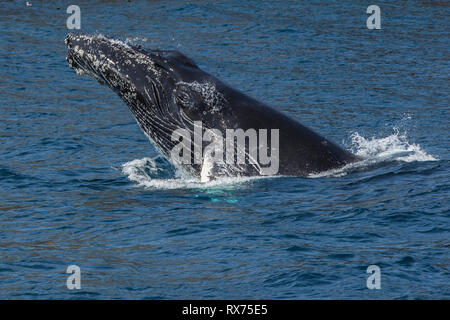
{"type": "Point", "coordinates": [394, 147]}
{"type": "Point", "coordinates": [157, 173]}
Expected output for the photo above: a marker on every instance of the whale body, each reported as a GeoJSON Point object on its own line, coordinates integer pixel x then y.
{"type": "Point", "coordinates": [171, 97]}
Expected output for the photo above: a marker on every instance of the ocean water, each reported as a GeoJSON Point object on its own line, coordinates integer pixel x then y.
{"type": "Point", "coordinates": [81, 185]}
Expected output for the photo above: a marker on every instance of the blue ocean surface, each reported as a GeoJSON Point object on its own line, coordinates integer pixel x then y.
{"type": "Point", "coordinates": [80, 184]}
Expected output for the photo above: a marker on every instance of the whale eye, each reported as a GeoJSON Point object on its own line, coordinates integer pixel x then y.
{"type": "Point", "coordinates": [185, 97]}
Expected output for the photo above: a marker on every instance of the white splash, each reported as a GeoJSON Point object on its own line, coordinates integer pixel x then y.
{"type": "Point", "coordinates": [146, 172]}
{"type": "Point", "coordinates": [394, 147]}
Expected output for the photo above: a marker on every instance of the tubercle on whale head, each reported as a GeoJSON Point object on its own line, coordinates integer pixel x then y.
{"type": "Point", "coordinates": [109, 60]}
{"type": "Point", "coordinates": [99, 49]}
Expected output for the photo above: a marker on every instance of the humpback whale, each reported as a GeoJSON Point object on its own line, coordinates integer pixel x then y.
{"type": "Point", "coordinates": [172, 100]}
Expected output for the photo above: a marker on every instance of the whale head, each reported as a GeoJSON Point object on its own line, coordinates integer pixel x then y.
{"type": "Point", "coordinates": [165, 90]}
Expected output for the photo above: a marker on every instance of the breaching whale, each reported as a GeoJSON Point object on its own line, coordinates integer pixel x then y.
{"type": "Point", "coordinates": [183, 108]}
